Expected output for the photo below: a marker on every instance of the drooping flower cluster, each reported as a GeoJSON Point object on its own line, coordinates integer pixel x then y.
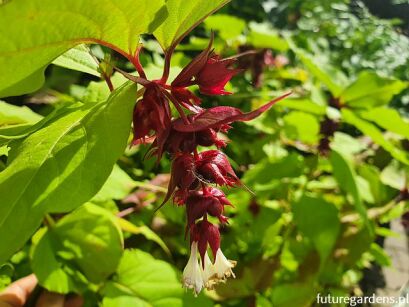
{"type": "Point", "coordinates": [195, 176]}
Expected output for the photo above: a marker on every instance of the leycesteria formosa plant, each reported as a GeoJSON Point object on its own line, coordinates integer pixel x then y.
{"type": "Point", "coordinates": [195, 176]}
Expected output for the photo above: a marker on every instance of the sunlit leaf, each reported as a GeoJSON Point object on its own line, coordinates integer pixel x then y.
{"type": "Point", "coordinates": [62, 165]}
{"type": "Point", "coordinates": [183, 16]}
{"type": "Point", "coordinates": [375, 134]}
{"type": "Point", "coordinates": [371, 90]}
{"type": "Point", "coordinates": [35, 32]}
{"type": "Point", "coordinates": [79, 59]}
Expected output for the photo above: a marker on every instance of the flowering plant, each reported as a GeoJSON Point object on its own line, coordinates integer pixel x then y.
{"type": "Point", "coordinates": [193, 173]}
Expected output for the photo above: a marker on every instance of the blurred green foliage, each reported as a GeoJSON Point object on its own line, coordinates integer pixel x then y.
{"type": "Point", "coordinates": [324, 169]}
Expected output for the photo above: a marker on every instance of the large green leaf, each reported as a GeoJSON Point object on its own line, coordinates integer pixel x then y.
{"type": "Point", "coordinates": [183, 16]}
{"type": "Point", "coordinates": [144, 281]}
{"type": "Point", "coordinates": [14, 115]}
{"type": "Point", "coordinates": [347, 181]}
{"type": "Point", "coordinates": [78, 58]}
{"type": "Point", "coordinates": [35, 32]}
{"type": "Point", "coordinates": [62, 165]}
{"type": "Point", "coordinates": [319, 221]}
{"type": "Point", "coordinates": [375, 134]}
{"type": "Point", "coordinates": [389, 119]}
{"type": "Point", "coordinates": [86, 243]}
{"type": "Point", "coordinates": [371, 90]}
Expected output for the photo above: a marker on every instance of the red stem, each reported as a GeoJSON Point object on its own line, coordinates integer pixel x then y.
{"type": "Point", "coordinates": [166, 67]}
{"type": "Point", "coordinates": [136, 62]}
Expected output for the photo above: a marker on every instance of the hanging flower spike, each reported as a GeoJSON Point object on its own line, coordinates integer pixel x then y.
{"type": "Point", "coordinates": [190, 169]}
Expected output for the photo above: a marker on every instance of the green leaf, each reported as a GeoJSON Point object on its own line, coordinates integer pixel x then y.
{"type": "Point", "coordinates": [143, 230]}
{"type": "Point", "coordinates": [264, 36]}
{"type": "Point", "coordinates": [62, 165]}
{"type": "Point", "coordinates": [142, 280]}
{"type": "Point", "coordinates": [371, 90]}
{"type": "Point", "coordinates": [333, 78]}
{"type": "Point", "coordinates": [375, 134]}
{"type": "Point", "coordinates": [347, 145]}
{"type": "Point", "coordinates": [85, 243]}
{"type": "Point", "coordinates": [296, 294]}
{"type": "Point", "coordinates": [79, 59]}
{"type": "Point", "coordinates": [300, 126]}
{"type": "Point", "coordinates": [347, 180]}
{"type": "Point", "coordinates": [319, 221]}
{"type": "Point", "coordinates": [389, 119]}
{"type": "Point", "coordinates": [35, 32]}
{"type": "Point", "coordinates": [301, 104]}
{"type": "Point", "coordinates": [228, 26]}
{"type": "Point", "coordinates": [117, 186]}
{"type": "Point", "coordinates": [14, 115]}
{"type": "Point", "coordinates": [184, 15]}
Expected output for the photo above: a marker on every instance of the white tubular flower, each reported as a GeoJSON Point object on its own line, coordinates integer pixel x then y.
{"type": "Point", "coordinates": [223, 267]}
{"type": "Point", "coordinates": [192, 274]}
{"type": "Point", "coordinates": [208, 274]}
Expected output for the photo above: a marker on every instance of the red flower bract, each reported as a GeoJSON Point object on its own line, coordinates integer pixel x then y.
{"type": "Point", "coordinates": [218, 116]}
{"type": "Point", "coordinates": [213, 166]}
{"type": "Point", "coordinates": [152, 112]}
{"type": "Point", "coordinates": [213, 77]}
{"type": "Point", "coordinates": [208, 201]}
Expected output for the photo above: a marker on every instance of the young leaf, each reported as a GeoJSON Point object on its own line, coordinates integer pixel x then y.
{"type": "Point", "coordinates": [62, 165]}
{"type": "Point", "coordinates": [35, 32]}
{"type": "Point", "coordinates": [184, 15]}
{"type": "Point", "coordinates": [142, 280]}
{"type": "Point", "coordinates": [371, 90]}
{"type": "Point", "coordinates": [86, 243]}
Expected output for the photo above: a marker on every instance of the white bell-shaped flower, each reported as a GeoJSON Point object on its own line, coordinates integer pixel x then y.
{"type": "Point", "coordinates": [192, 274]}
{"type": "Point", "coordinates": [208, 274]}
{"type": "Point", "coordinates": [222, 267]}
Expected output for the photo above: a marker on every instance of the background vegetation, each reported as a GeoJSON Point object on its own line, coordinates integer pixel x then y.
{"type": "Point", "coordinates": [327, 167]}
